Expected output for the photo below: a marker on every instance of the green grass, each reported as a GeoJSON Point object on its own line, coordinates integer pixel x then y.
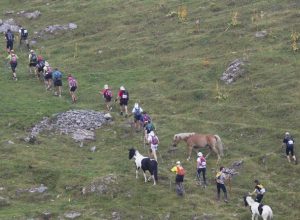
{"type": "Point", "coordinates": [160, 61]}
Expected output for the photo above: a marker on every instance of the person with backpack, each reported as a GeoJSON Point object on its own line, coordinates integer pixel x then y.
{"type": "Point", "coordinates": [153, 141]}
{"type": "Point", "coordinates": [259, 190]}
{"type": "Point", "coordinates": [201, 168]}
{"type": "Point", "coordinates": [123, 96]}
{"type": "Point", "coordinates": [39, 68]}
{"type": "Point", "coordinates": [107, 95]}
{"type": "Point", "coordinates": [180, 172]}
{"type": "Point", "coordinates": [148, 128]}
{"type": "Point", "coordinates": [32, 58]}
{"type": "Point", "coordinates": [137, 116]}
{"type": "Point", "coordinates": [220, 181]}
{"type": "Point", "coordinates": [23, 33]}
{"type": "Point", "coordinates": [145, 118]}
{"type": "Point", "coordinates": [73, 85]}
{"type": "Point", "coordinates": [13, 61]}
{"type": "Point", "coordinates": [288, 142]}
{"type": "Point", "coordinates": [48, 75]}
{"type": "Point", "coordinates": [10, 37]}
{"type": "Point", "coordinates": [57, 81]}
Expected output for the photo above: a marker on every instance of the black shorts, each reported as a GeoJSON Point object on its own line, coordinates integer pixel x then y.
{"type": "Point", "coordinates": [179, 178]}
{"type": "Point", "coordinates": [9, 45]}
{"type": "Point", "coordinates": [73, 88]}
{"type": "Point", "coordinates": [137, 118]}
{"type": "Point", "coordinates": [32, 64]}
{"type": "Point", "coordinates": [48, 76]}
{"type": "Point", "coordinates": [40, 69]}
{"type": "Point", "coordinates": [13, 66]}
{"type": "Point", "coordinates": [57, 82]}
{"type": "Point", "coordinates": [289, 150]}
{"type": "Point", "coordinates": [124, 102]}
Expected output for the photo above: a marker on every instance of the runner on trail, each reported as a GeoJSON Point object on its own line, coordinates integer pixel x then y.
{"type": "Point", "coordinates": [153, 141]}
{"type": "Point", "coordinates": [288, 142]}
{"type": "Point", "coordinates": [23, 34]}
{"type": "Point", "coordinates": [48, 76]}
{"type": "Point", "coordinates": [201, 168]}
{"type": "Point", "coordinates": [107, 95]}
{"type": "Point", "coordinates": [137, 112]}
{"type": "Point", "coordinates": [180, 172]}
{"type": "Point", "coordinates": [57, 81]}
{"type": "Point", "coordinates": [123, 97]}
{"type": "Point", "coordinates": [32, 58]}
{"type": "Point", "coordinates": [73, 85]}
{"type": "Point", "coordinates": [220, 181]}
{"type": "Point", "coordinates": [13, 61]}
{"type": "Point", "coordinates": [10, 37]}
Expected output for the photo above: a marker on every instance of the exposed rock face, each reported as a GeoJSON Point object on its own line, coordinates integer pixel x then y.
{"type": "Point", "coordinates": [30, 15]}
{"type": "Point", "coordinates": [103, 185]}
{"type": "Point", "coordinates": [8, 24]}
{"type": "Point", "coordinates": [78, 123]}
{"type": "Point", "coordinates": [72, 215]}
{"type": "Point", "coordinates": [40, 189]}
{"type": "Point", "coordinates": [56, 27]}
{"type": "Point", "coordinates": [261, 34]}
{"type": "Point", "coordinates": [233, 71]}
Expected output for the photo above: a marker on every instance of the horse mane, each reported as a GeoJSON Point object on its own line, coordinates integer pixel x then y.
{"type": "Point", "coordinates": [183, 136]}
{"type": "Point", "coordinates": [131, 153]}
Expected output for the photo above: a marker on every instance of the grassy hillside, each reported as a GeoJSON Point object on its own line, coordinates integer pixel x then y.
{"type": "Point", "coordinates": [173, 70]}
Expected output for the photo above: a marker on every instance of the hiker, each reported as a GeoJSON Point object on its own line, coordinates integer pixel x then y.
{"type": "Point", "coordinates": [73, 85]}
{"type": "Point", "coordinates": [259, 190]}
{"type": "Point", "coordinates": [145, 117]}
{"type": "Point", "coordinates": [47, 76]}
{"type": "Point", "coordinates": [13, 61]}
{"type": "Point", "coordinates": [32, 61]}
{"type": "Point", "coordinates": [107, 95]}
{"type": "Point", "coordinates": [288, 142]}
{"type": "Point", "coordinates": [180, 172]}
{"type": "Point", "coordinates": [137, 116]}
{"type": "Point", "coordinates": [148, 128]}
{"type": "Point", "coordinates": [39, 68]}
{"type": "Point", "coordinates": [10, 37]}
{"type": "Point", "coordinates": [220, 180]}
{"type": "Point", "coordinates": [57, 81]}
{"type": "Point", "coordinates": [123, 96]}
{"type": "Point", "coordinates": [23, 33]}
{"type": "Point", "coordinates": [201, 168]}
{"type": "Point", "coordinates": [153, 141]}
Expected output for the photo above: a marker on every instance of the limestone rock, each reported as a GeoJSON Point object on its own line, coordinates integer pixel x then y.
{"type": "Point", "coordinates": [72, 215]}
{"type": "Point", "coordinates": [102, 185]}
{"type": "Point", "coordinates": [233, 71]}
{"type": "Point", "coordinates": [261, 34]}
{"type": "Point", "coordinates": [9, 24]}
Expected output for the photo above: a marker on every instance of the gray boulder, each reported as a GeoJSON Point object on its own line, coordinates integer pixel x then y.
{"type": "Point", "coordinates": [102, 185]}
{"type": "Point", "coordinates": [8, 24]}
{"type": "Point", "coordinates": [234, 70]}
{"type": "Point", "coordinates": [72, 215]}
{"type": "Point", "coordinates": [261, 34]}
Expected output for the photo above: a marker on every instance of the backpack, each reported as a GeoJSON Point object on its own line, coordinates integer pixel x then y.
{"type": "Point", "coordinates": [137, 111]}
{"type": "Point", "coordinates": [154, 140]}
{"type": "Point", "coordinates": [146, 118]}
{"type": "Point", "coordinates": [73, 82]}
{"type": "Point", "coordinates": [290, 143]}
{"type": "Point", "coordinates": [13, 58]}
{"type": "Point", "coordinates": [180, 171]}
{"type": "Point", "coordinates": [57, 75]}
{"type": "Point", "coordinates": [124, 95]}
{"type": "Point", "coordinates": [107, 93]}
{"type": "Point", "coordinates": [33, 58]}
{"type": "Point", "coordinates": [24, 33]}
{"type": "Point", "coordinates": [218, 176]}
{"type": "Point", "coordinates": [10, 36]}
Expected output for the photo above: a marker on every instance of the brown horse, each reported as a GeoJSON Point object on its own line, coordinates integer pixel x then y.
{"type": "Point", "coordinates": [196, 141]}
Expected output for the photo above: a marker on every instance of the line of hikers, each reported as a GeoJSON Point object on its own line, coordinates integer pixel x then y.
{"type": "Point", "coordinates": [39, 66]}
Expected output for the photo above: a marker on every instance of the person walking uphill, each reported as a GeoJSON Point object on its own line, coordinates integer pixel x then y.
{"type": "Point", "coordinates": [32, 58]}
{"type": "Point", "coordinates": [180, 172]}
{"type": "Point", "coordinates": [220, 180]}
{"type": "Point", "coordinates": [288, 142]}
{"type": "Point", "coordinates": [107, 95]}
{"type": "Point", "coordinates": [153, 141]}
{"type": "Point", "coordinates": [10, 37]}
{"type": "Point", "coordinates": [73, 85]}
{"type": "Point", "coordinates": [137, 112]}
{"type": "Point", "coordinates": [13, 61]}
{"type": "Point", "coordinates": [123, 97]}
{"type": "Point", "coordinates": [23, 36]}
{"type": "Point", "coordinates": [201, 168]}
{"type": "Point", "coordinates": [259, 190]}
{"type": "Point", "coordinates": [57, 81]}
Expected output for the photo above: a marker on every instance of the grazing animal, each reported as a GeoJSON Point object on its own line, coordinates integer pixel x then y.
{"type": "Point", "coordinates": [145, 163]}
{"type": "Point", "coordinates": [195, 141]}
{"type": "Point", "coordinates": [258, 209]}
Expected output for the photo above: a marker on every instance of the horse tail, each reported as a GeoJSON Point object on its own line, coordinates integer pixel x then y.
{"type": "Point", "coordinates": [219, 145]}
{"type": "Point", "coordinates": [154, 167]}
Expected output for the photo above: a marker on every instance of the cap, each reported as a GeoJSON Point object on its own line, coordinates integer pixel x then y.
{"type": "Point", "coordinates": [31, 51]}
{"type": "Point", "coordinates": [287, 133]}
{"type": "Point", "coordinates": [151, 133]}
{"type": "Point", "coordinates": [46, 63]}
{"type": "Point", "coordinates": [105, 86]}
{"type": "Point", "coordinates": [122, 88]}
{"type": "Point", "coordinates": [136, 105]}
{"type": "Point", "coordinates": [178, 162]}
{"type": "Point", "coordinates": [200, 154]}
{"type": "Point", "coordinates": [12, 51]}
{"type": "Point", "coordinates": [256, 181]}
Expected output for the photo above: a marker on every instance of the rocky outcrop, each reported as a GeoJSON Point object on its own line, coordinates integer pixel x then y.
{"type": "Point", "coordinates": [80, 124]}
{"type": "Point", "coordinates": [234, 70]}
{"type": "Point", "coordinates": [102, 185]}
{"type": "Point", "coordinates": [8, 24]}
